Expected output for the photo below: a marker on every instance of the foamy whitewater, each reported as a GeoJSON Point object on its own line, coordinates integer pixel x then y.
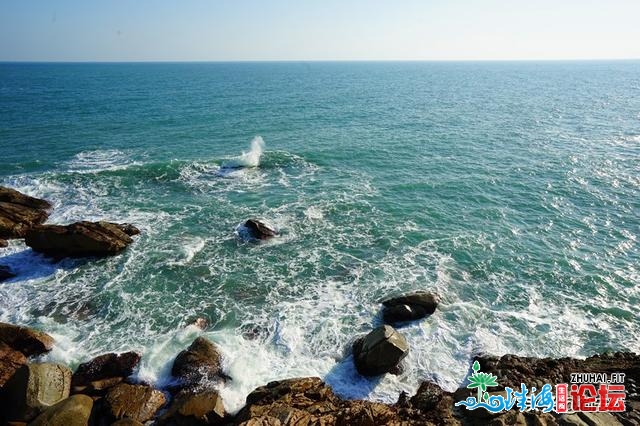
{"type": "Point", "coordinates": [510, 189]}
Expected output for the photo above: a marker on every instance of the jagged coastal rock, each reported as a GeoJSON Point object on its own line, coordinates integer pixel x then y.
{"type": "Point", "coordinates": [80, 239]}
{"type": "Point", "coordinates": [409, 307]}
{"type": "Point", "coordinates": [104, 372]}
{"type": "Point", "coordinates": [20, 212]}
{"type": "Point", "coordinates": [380, 351]}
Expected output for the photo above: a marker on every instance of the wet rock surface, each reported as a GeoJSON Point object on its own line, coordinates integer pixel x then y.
{"type": "Point", "coordinates": [78, 239]}
{"type": "Point", "coordinates": [200, 363]}
{"type": "Point", "coordinates": [380, 351]}
{"type": "Point", "coordinates": [20, 212]}
{"type": "Point", "coordinates": [409, 307]}
{"type": "Point", "coordinates": [136, 402]}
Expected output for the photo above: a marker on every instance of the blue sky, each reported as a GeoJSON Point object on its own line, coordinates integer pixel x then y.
{"type": "Point", "coordinates": [221, 30]}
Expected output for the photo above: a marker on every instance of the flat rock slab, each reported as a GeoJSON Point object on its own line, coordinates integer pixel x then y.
{"type": "Point", "coordinates": [79, 239]}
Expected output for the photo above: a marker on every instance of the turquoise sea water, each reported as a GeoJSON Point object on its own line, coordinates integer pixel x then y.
{"type": "Point", "coordinates": [511, 189]}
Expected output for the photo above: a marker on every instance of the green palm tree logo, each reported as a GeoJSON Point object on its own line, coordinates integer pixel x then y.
{"type": "Point", "coordinates": [481, 381]}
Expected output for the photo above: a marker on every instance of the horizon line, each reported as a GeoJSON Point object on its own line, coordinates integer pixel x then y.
{"type": "Point", "coordinates": [196, 61]}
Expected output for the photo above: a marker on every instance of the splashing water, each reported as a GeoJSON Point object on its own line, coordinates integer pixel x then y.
{"type": "Point", "coordinates": [247, 159]}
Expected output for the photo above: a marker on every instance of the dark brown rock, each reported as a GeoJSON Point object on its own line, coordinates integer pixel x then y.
{"type": "Point", "coordinates": [194, 408]}
{"type": "Point", "coordinates": [19, 212]}
{"type": "Point", "coordinates": [259, 230]}
{"type": "Point", "coordinates": [200, 363]}
{"type": "Point", "coordinates": [409, 307]}
{"type": "Point", "coordinates": [107, 366]}
{"type": "Point", "coordinates": [78, 239]}
{"type": "Point", "coordinates": [136, 402]}
{"type": "Point", "coordinates": [73, 411]}
{"type": "Point", "coordinates": [5, 273]}
{"type": "Point", "coordinates": [4, 243]}
{"type": "Point", "coordinates": [10, 361]}
{"type": "Point", "coordinates": [26, 340]}
{"type": "Point", "coordinates": [34, 388]}
{"type": "Point", "coordinates": [380, 351]}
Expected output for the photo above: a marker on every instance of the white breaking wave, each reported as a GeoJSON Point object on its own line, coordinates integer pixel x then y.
{"type": "Point", "coordinates": [247, 159]}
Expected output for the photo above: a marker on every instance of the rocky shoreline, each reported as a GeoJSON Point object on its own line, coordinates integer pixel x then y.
{"type": "Point", "coordinates": [103, 391]}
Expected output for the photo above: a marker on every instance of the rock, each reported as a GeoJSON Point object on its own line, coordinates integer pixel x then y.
{"type": "Point", "coordinates": [306, 397]}
{"type": "Point", "coordinates": [104, 367]}
{"type": "Point", "coordinates": [26, 340]}
{"type": "Point", "coordinates": [309, 401]}
{"type": "Point", "coordinates": [34, 388]}
{"type": "Point", "coordinates": [194, 408]}
{"type": "Point", "coordinates": [10, 361]}
{"type": "Point", "coordinates": [409, 307]}
{"type": "Point", "coordinates": [19, 212]}
{"type": "Point", "coordinates": [5, 273]}
{"type": "Point", "coordinates": [78, 239]}
{"type": "Point", "coordinates": [380, 351]}
{"type": "Point", "coordinates": [136, 402]}
{"type": "Point", "coordinates": [73, 411]}
{"type": "Point", "coordinates": [200, 363]}
{"type": "Point", "coordinates": [513, 370]}
{"type": "Point", "coordinates": [427, 396]}
{"type": "Point", "coordinates": [201, 323]}
{"type": "Point", "coordinates": [4, 243]}
{"type": "Point", "coordinates": [259, 230]}
{"type": "Point", "coordinates": [126, 422]}
{"type": "Point", "coordinates": [128, 228]}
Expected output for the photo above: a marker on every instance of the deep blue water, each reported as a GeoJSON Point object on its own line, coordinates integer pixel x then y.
{"type": "Point", "coordinates": [511, 189]}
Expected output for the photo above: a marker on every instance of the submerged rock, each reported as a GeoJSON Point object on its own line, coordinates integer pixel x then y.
{"type": "Point", "coordinates": [73, 411]}
{"type": "Point", "coordinates": [259, 230]}
{"type": "Point", "coordinates": [20, 212]}
{"type": "Point", "coordinates": [136, 402]}
{"type": "Point", "coordinates": [201, 362]}
{"type": "Point", "coordinates": [78, 239]}
{"type": "Point", "coordinates": [104, 371]}
{"type": "Point", "coordinates": [409, 307]}
{"type": "Point", "coordinates": [26, 340]}
{"type": "Point", "coordinates": [380, 351]}
{"type": "Point", "coordinates": [35, 387]}
{"type": "Point", "coordinates": [5, 273]}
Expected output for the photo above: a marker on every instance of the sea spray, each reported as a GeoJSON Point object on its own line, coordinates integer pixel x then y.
{"type": "Point", "coordinates": [247, 159]}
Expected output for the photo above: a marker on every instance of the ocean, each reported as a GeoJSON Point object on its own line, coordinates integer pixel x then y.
{"type": "Point", "coordinates": [511, 189]}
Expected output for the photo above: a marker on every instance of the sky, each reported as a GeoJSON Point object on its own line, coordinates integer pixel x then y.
{"type": "Point", "coordinates": [302, 30]}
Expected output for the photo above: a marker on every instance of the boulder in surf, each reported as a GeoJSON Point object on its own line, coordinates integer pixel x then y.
{"type": "Point", "coordinates": [79, 239]}
{"type": "Point", "coordinates": [380, 351]}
